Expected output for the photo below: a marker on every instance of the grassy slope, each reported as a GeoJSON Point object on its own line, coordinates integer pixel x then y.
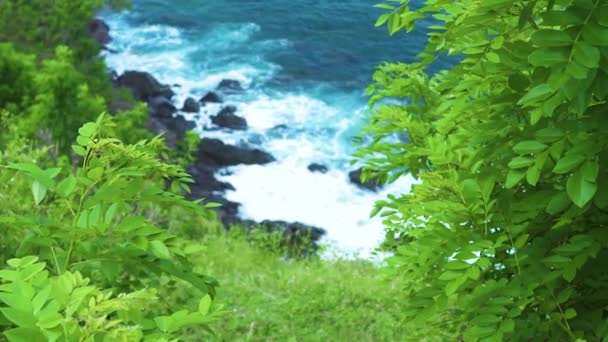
{"type": "Point", "coordinates": [269, 298]}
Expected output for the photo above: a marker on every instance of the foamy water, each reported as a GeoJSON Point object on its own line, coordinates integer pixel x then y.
{"type": "Point", "coordinates": [320, 123]}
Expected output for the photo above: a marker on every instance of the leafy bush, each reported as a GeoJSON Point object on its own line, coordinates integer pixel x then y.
{"type": "Point", "coordinates": [505, 237]}
{"type": "Point", "coordinates": [98, 222]}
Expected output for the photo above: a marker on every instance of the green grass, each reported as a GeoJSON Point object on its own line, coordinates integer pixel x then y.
{"type": "Point", "coordinates": [270, 298]}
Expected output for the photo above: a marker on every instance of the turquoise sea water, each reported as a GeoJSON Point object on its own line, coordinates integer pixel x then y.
{"type": "Point", "coordinates": [305, 64]}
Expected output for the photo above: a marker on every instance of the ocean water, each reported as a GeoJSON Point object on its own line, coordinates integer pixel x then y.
{"type": "Point", "coordinates": [305, 64]}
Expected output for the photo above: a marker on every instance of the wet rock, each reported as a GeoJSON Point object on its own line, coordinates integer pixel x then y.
{"type": "Point", "coordinates": [211, 97]}
{"type": "Point", "coordinates": [230, 86]}
{"type": "Point", "coordinates": [355, 178]}
{"type": "Point", "coordinates": [160, 106]}
{"type": "Point", "coordinates": [205, 181]}
{"type": "Point", "coordinates": [174, 129]}
{"type": "Point", "coordinates": [296, 238]}
{"type": "Point", "coordinates": [215, 153]}
{"type": "Point", "coordinates": [191, 106]}
{"type": "Point", "coordinates": [316, 167]}
{"type": "Point", "coordinates": [100, 32]}
{"type": "Point", "coordinates": [143, 85]}
{"type": "Point", "coordinates": [227, 119]}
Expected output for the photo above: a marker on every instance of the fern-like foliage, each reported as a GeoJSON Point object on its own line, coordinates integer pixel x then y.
{"type": "Point", "coordinates": [84, 233]}
{"type": "Point", "coordinates": [506, 236]}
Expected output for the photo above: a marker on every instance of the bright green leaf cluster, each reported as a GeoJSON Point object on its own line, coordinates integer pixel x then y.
{"type": "Point", "coordinates": [504, 238]}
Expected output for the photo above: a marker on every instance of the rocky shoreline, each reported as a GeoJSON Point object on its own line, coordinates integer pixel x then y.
{"type": "Point", "coordinates": [212, 155]}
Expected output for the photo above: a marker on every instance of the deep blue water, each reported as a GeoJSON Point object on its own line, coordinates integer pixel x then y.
{"type": "Point", "coordinates": [332, 41]}
{"type": "Point", "coordinates": [305, 64]}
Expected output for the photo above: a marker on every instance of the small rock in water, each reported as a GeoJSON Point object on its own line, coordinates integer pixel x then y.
{"type": "Point", "coordinates": [211, 97]}
{"type": "Point", "coordinates": [228, 86]}
{"type": "Point", "coordinates": [316, 167]}
{"type": "Point", "coordinates": [227, 119]}
{"type": "Point", "coordinates": [214, 152]}
{"type": "Point", "coordinates": [191, 106]}
{"type": "Point", "coordinates": [160, 106]}
{"type": "Point", "coordinates": [143, 85]}
{"type": "Point", "coordinates": [355, 178]}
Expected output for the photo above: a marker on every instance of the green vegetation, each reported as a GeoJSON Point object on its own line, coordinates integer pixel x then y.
{"type": "Point", "coordinates": [505, 238]}
{"type": "Point", "coordinates": [271, 298]}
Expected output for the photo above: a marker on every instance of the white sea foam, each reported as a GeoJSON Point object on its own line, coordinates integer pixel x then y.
{"type": "Point", "coordinates": [317, 127]}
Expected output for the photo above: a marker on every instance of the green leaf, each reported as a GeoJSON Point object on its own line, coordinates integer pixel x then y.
{"type": "Point", "coordinates": [546, 37]}
{"type": "Point", "coordinates": [96, 173]}
{"type": "Point", "coordinates": [164, 323]}
{"type": "Point", "coordinates": [568, 163]}
{"type": "Point", "coordinates": [79, 150]}
{"type": "Point", "coordinates": [580, 189]}
{"type": "Point", "coordinates": [507, 326]}
{"type": "Point", "coordinates": [570, 313]}
{"type": "Point", "coordinates": [23, 334]}
{"type": "Point", "coordinates": [595, 34]}
{"type": "Point", "coordinates": [39, 191]}
{"type": "Point", "coordinates": [520, 162]}
{"type": "Point", "coordinates": [19, 317]}
{"type": "Point", "coordinates": [67, 186]}
{"type": "Point", "coordinates": [549, 135]}
{"type": "Point", "coordinates": [521, 241]}
{"type": "Point", "coordinates": [536, 94]}
{"type": "Point", "coordinates": [450, 275]}
{"type": "Point", "coordinates": [547, 57]}
{"type": "Point", "coordinates": [586, 54]}
{"type": "Point", "coordinates": [514, 177]}
{"type": "Point", "coordinates": [529, 146]}
{"type": "Point", "coordinates": [159, 249]}
{"type": "Point", "coordinates": [88, 130]}
{"type": "Point", "coordinates": [493, 57]}
{"type": "Point", "coordinates": [110, 213]}
{"type": "Point", "coordinates": [558, 203]}
{"type": "Point", "coordinates": [83, 140]}
{"type": "Point", "coordinates": [204, 305]}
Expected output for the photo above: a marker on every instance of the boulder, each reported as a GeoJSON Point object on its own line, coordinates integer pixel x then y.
{"type": "Point", "coordinates": [230, 86]}
{"type": "Point", "coordinates": [211, 97]}
{"type": "Point", "coordinates": [191, 106]}
{"type": "Point", "coordinates": [204, 179]}
{"type": "Point", "coordinates": [227, 119]}
{"type": "Point", "coordinates": [355, 178]}
{"type": "Point", "coordinates": [160, 106]}
{"type": "Point", "coordinates": [213, 152]}
{"type": "Point", "coordinates": [143, 85]}
{"type": "Point", "coordinates": [296, 239]}
{"type": "Point", "coordinates": [316, 167]}
{"type": "Point", "coordinates": [174, 129]}
{"type": "Point", "coordinates": [100, 32]}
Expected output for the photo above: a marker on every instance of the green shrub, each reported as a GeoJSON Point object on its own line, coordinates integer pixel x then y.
{"type": "Point", "coordinates": [505, 238]}
{"type": "Point", "coordinates": [98, 222]}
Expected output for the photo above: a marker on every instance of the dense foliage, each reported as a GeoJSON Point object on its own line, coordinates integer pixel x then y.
{"type": "Point", "coordinates": [109, 226]}
{"type": "Point", "coordinates": [505, 237]}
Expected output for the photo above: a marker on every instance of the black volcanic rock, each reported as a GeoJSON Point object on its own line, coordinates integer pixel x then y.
{"type": "Point", "coordinates": [191, 106]}
{"type": "Point", "coordinates": [230, 86]}
{"type": "Point", "coordinates": [214, 152]}
{"type": "Point", "coordinates": [316, 167]}
{"type": "Point", "coordinates": [211, 97]}
{"type": "Point", "coordinates": [355, 178]}
{"type": "Point", "coordinates": [143, 85]}
{"type": "Point", "coordinates": [227, 119]}
{"type": "Point", "coordinates": [174, 129]}
{"type": "Point", "coordinates": [100, 32]}
{"type": "Point", "coordinates": [160, 106]}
